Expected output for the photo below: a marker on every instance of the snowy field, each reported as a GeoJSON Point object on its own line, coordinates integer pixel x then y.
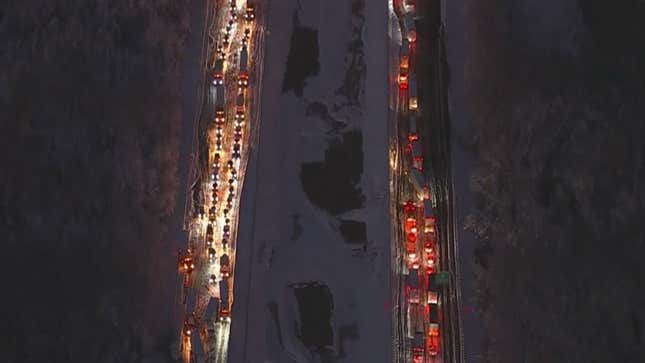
{"type": "Point", "coordinates": [312, 272]}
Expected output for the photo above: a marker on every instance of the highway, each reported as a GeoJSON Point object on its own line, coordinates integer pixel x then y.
{"type": "Point", "coordinates": [233, 55]}
{"type": "Point", "coordinates": [228, 129]}
{"type": "Point", "coordinates": [431, 157]}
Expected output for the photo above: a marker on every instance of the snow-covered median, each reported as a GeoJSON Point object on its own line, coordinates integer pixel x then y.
{"type": "Point", "coordinates": [330, 121]}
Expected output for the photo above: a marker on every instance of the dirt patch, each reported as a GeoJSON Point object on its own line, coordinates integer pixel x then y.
{"type": "Point", "coordinates": [354, 232]}
{"type": "Point", "coordinates": [302, 61]}
{"type": "Point", "coordinates": [315, 304]}
{"type": "Point", "coordinates": [333, 183]}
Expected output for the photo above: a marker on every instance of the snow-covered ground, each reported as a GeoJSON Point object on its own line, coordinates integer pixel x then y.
{"type": "Point", "coordinates": [284, 238]}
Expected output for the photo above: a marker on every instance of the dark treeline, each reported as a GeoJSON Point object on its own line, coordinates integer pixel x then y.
{"type": "Point", "coordinates": [89, 122]}
{"type": "Point", "coordinates": [556, 89]}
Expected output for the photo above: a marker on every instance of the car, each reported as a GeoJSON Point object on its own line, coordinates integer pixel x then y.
{"type": "Point", "coordinates": [409, 207]}
{"type": "Point", "coordinates": [212, 214]}
{"type": "Point", "coordinates": [224, 266]}
{"type": "Point", "coordinates": [211, 255]}
{"type": "Point", "coordinates": [187, 329]}
{"type": "Point", "coordinates": [187, 264]}
{"type": "Point", "coordinates": [218, 71]}
{"type": "Point", "coordinates": [249, 14]}
{"type": "Point", "coordinates": [219, 116]}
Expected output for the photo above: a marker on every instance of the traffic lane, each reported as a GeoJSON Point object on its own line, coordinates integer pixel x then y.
{"type": "Point", "coordinates": [398, 278]}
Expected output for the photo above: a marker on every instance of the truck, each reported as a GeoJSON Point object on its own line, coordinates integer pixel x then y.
{"type": "Point", "coordinates": [420, 183]}
{"type": "Point", "coordinates": [243, 76]}
{"type": "Point", "coordinates": [218, 72]}
{"type": "Point", "coordinates": [225, 269]}
{"type": "Point", "coordinates": [429, 222]}
{"type": "Point", "coordinates": [219, 104]}
{"type": "Point", "coordinates": [418, 347]}
{"type": "Point", "coordinates": [417, 155]}
{"type": "Point", "coordinates": [211, 255]}
{"type": "Point", "coordinates": [412, 286]}
{"type": "Point", "coordinates": [413, 133]}
{"type": "Point", "coordinates": [239, 108]}
{"type": "Point", "coordinates": [413, 103]}
{"type": "Point", "coordinates": [212, 214]}
{"type": "Point", "coordinates": [224, 311]}
{"type": "Point", "coordinates": [209, 230]}
{"type": "Point", "coordinates": [249, 14]}
{"type": "Point", "coordinates": [410, 29]}
{"type": "Point", "coordinates": [433, 286]}
{"type": "Point", "coordinates": [433, 314]}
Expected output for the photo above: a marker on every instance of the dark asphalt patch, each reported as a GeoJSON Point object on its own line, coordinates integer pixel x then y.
{"type": "Point", "coordinates": [333, 183]}
{"type": "Point", "coordinates": [315, 304]}
{"type": "Point", "coordinates": [302, 61]}
{"type": "Point", "coordinates": [354, 232]}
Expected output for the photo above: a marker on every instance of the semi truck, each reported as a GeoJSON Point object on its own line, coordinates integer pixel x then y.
{"type": "Point", "coordinates": [219, 104]}
{"type": "Point", "coordinates": [225, 269]}
{"type": "Point", "coordinates": [212, 214]}
{"type": "Point", "coordinates": [243, 77]}
{"type": "Point", "coordinates": [417, 155]}
{"type": "Point", "coordinates": [410, 29]}
{"type": "Point", "coordinates": [420, 183]}
{"type": "Point", "coordinates": [417, 347]}
{"type": "Point", "coordinates": [224, 311]}
{"type": "Point", "coordinates": [249, 14]}
{"type": "Point", "coordinates": [218, 72]}
{"type": "Point", "coordinates": [413, 103]}
{"type": "Point", "coordinates": [239, 108]}
{"type": "Point", "coordinates": [413, 133]}
{"type": "Point", "coordinates": [412, 286]}
{"type": "Point", "coordinates": [429, 218]}
{"type": "Point", "coordinates": [209, 230]}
